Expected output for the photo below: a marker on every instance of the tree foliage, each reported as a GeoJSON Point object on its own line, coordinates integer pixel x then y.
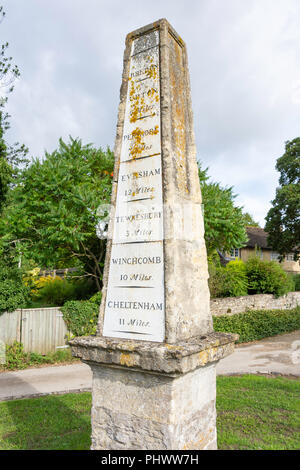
{"type": "Point", "coordinates": [52, 210]}
{"type": "Point", "coordinates": [13, 292]}
{"type": "Point", "coordinates": [51, 215]}
{"type": "Point", "coordinates": [283, 219]}
{"type": "Point", "coordinates": [223, 221]}
{"type": "Point", "coordinates": [249, 221]}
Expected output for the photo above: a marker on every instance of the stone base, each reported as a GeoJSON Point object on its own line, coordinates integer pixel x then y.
{"type": "Point", "coordinates": [153, 395]}
{"type": "Point", "coordinates": [137, 410]}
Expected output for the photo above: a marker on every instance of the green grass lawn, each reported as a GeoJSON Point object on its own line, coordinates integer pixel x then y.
{"type": "Point", "coordinates": [254, 412]}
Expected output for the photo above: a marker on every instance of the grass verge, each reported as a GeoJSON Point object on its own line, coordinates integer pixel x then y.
{"type": "Point", "coordinates": [258, 413]}
{"type": "Point", "coordinates": [254, 412]}
{"type": "Point", "coordinates": [16, 358]}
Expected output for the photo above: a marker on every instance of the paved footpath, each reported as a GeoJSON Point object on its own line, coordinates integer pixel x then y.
{"type": "Point", "coordinates": [41, 381]}
{"type": "Point", "coordinates": [277, 355]}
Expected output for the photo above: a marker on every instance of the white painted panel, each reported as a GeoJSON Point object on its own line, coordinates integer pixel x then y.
{"type": "Point", "coordinates": [135, 292]}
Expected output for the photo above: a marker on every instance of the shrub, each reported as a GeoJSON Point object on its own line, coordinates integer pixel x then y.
{"type": "Point", "coordinates": [296, 278]}
{"type": "Point", "coordinates": [54, 290]}
{"type": "Point", "coordinates": [238, 281]}
{"type": "Point", "coordinates": [267, 277]}
{"type": "Point", "coordinates": [13, 292]}
{"type": "Point", "coordinates": [84, 287]}
{"type": "Point", "coordinates": [216, 280]}
{"type": "Point", "coordinates": [17, 358]}
{"type": "Point", "coordinates": [81, 317]}
{"type": "Point", "coordinates": [96, 298]}
{"type": "Point", "coordinates": [228, 282]}
{"type": "Point", "coordinates": [259, 324]}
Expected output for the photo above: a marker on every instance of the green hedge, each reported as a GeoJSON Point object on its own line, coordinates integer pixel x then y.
{"type": "Point", "coordinates": [296, 278]}
{"type": "Point", "coordinates": [96, 298]}
{"type": "Point", "coordinates": [13, 293]}
{"type": "Point", "coordinates": [81, 317]}
{"type": "Point", "coordinates": [259, 324]}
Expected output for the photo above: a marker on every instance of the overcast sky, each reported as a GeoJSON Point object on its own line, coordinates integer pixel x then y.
{"type": "Point", "coordinates": [244, 61]}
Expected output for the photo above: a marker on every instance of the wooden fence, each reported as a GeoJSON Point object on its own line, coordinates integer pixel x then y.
{"type": "Point", "coordinates": [41, 330]}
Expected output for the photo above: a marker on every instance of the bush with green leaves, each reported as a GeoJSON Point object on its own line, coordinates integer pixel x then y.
{"type": "Point", "coordinates": [230, 281]}
{"type": "Point", "coordinates": [56, 291]}
{"type": "Point", "coordinates": [49, 291]}
{"type": "Point", "coordinates": [217, 280]}
{"type": "Point", "coordinates": [13, 292]}
{"type": "Point", "coordinates": [16, 358]}
{"type": "Point", "coordinates": [267, 277]}
{"type": "Point", "coordinates": [258, 324]}
{"type": "Point", "coordinates": [96, 298]}
{"type": "Point", "coordinates": [81, 317]}
{"type": "Point", "coordinates": [296, 279]}
{"type": "Point", "coordinates": [238, 284]}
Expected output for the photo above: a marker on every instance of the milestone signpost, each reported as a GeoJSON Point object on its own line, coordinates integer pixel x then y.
{"type": "Point", "coordinates": [134, 306]}
{"type": "Point", "coordinates": [155, 352]}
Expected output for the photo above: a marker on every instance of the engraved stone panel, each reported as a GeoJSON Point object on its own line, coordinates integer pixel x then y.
{"type": "Point", "coordinates": [135, 292]}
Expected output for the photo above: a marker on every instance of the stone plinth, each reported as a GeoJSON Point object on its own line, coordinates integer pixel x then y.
{"type": "Point", "coordinates": [160, 358]}
{"type": "Point", "coordinates": [153, 396]}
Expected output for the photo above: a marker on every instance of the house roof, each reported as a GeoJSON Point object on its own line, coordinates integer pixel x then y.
{"type": "Point", "coordinates": [257, 237]}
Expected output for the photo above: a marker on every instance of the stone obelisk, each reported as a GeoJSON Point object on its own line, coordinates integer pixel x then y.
{"type": "Point", "coordinates": [155, 353]}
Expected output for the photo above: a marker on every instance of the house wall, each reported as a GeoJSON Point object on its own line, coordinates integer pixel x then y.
{"type": "Point", "coordinates": [291, 266]}
{"type": "Point", "coordinates": [288, 266]}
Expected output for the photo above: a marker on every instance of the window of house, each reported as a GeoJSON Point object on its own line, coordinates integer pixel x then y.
{"type": "Point", "coordinates": [274, 256]}
{"type": "Point", "coordinates": [234, 253]}
{"type": "Point", "coordinates": [289, 257]}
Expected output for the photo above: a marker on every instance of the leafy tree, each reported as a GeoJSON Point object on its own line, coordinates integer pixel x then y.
{"type": "Point", "coordinates": [13, 292]}
{"type": "Point", "coordinates": [249, 221]}
{"type": "Point", "coordinates": [283, 219]}
{"type": "Point", "coordinates": [223, 221]}
{"type": "Point", "coordinates": [11, 156]}
{"type": "Point", "coordinates": [52, 210]}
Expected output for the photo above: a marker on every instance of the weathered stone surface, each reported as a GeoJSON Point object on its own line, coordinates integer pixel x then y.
{"type": "Point", "coordinates": [234, 305]}
{"type": "Point", "coordinates": [144, 411]}
{"type": "Point", "coordinates": [186, 294]}
{"type": "Point", "coordinates": [159, 358]}
{"type": "Point", "coordinates": [154, 371]}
